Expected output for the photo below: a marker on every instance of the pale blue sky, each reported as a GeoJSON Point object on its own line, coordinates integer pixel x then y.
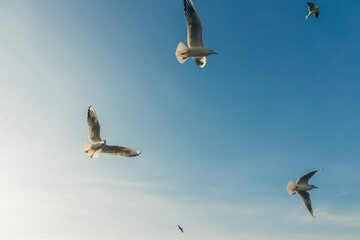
{"type": "Point", "coordinates": [218, 144]}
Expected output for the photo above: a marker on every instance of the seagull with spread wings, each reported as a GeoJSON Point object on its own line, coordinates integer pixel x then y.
{"type": "Point", "coordinates": [313, 10]}
{"type": "Point", "coordinates": [99, 146]}
{"type": "Point", "coordinates": [301, 187]}
{"type": "Point", "coordinates": [196, 48]}
{"type": "Point", "coordinates": [180, 228]}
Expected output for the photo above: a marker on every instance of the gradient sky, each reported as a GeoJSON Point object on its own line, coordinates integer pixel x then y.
{"type": "Point", "coordinates": [218, 144]}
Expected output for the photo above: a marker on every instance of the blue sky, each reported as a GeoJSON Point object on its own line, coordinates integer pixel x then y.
{"type": "Point", "coordinates": [218, 144]}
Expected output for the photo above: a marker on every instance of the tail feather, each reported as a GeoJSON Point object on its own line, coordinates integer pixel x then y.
{"type": "Point", "coordinates": [291, 187]}
{"type": "Point", "coordinates": [87, 146]}
{"type": "Point", "coordinates": [96, 154]}
{"type": "Point", "coordinates": [89, 151]}
{"type": "Point", "coordinates": [182, 53]}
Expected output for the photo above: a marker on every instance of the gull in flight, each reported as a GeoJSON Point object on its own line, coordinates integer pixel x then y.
{"type": "Point", "coordinates": [180, 228]}
{"type": "Point", "coordinates": [196, 48]}
{"type": "Point", "coordinates": [313, 10]}
{"type": "Point", "coordinates": [99, 146]}
{"type": "Point", "coordinates": [301, 187]}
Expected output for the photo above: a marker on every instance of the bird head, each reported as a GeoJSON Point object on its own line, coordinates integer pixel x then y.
{"type": "Point", "coordinates": [313, 186]}
{"type": "Point", "coordinates": [212, 52]}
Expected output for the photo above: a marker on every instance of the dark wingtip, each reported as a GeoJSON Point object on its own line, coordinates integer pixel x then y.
{"type": "Point", "coordinates": [135, 154]}
{"type": "Point", "coordinates": [89, 111]}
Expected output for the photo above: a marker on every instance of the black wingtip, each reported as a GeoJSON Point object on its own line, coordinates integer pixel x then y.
{"type": "Point", "coordinates": [136, 154]}
{"type": "Point", "coordinates": [89, 111]}
{"type": "Point", "coordinates": [188, 8]}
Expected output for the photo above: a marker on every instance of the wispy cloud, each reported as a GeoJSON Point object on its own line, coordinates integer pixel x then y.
{"type": "Point", "coordinates": [347, 219]}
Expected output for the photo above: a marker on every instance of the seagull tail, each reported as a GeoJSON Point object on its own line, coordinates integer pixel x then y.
{"type": "Point", "coordinates": [90, 151]}
{"type": "Point", "coordinates": [291, 187]}
{"type": "Point", "coordinates": [87, 147]}
{"type": "Point", "coordinates": [182, 53]}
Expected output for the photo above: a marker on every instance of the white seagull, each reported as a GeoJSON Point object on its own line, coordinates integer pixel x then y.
{"type": "Point", "coordinates": [99, 146]}
{"type": "Point", "coordinates": [196, 48]}
{"type": "Point", "coordinates": [313, 10]}
{"type": "Point", "coordinates": [301, 187]}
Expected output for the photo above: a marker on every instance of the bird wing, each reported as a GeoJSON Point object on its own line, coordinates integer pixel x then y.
{"type": "Point", "coordinates": [93, 126]}
{"type": "Point", "coordinates": [194, 26]}
{"type": "Point", "coordinates": [305, 179]}
{"type": "Point", "coordinates": [311, 6]}
{"type": "Point", "coordinates": [317, 14]}
{"type": "Point", "coordinates": [200, 61]}
{"type": "Point", "coordinates": [119, 151]}
{"type": "Point", "coordinates": [305, 197]}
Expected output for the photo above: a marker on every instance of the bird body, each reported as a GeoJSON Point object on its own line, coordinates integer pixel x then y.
{"type": "Point", "coordinates": [304, 187]}
{"type": "Point", "coordinates": [99, 145]}
{"type": "Point", "coordinates": [195, 48]}
{"type": "Point", "coordinates": [294, 187]}
{"type": "Point", "coordinates": [301, 187]}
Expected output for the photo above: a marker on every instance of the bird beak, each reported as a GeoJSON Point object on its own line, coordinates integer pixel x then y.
{"type": "Point", "coordinates": [216, 53]}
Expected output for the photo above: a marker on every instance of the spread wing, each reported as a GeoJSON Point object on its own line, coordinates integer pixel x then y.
{"type": "Point", "coordinates": [200, 61]}
{"type": "Point", "coordinates": [305, 179]}
{"type": "Point", "coordinates": [93, 126]}
{"type": "Point", "coordinates": [119, 151]}
{"type": "Point", "coordinates": [317, 14]}
{"type": "Point", "coordinates": [305, 197]}
{"type": "Point", "coordinates": [311, 6]}
{"type": "Point", "coordinates": [194, 27]}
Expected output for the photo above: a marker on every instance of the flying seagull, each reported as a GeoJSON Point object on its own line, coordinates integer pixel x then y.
{"type": "Point", "coordinates": [99, 146]}
{"type": "Point", "coordinates": [313, 10]}
{"type": "Point", "coordinates": [180, 228]}
{"type": "Point", "coordinates": [196, 48]}
{"type": "Point", "coordinates": [301, 187]}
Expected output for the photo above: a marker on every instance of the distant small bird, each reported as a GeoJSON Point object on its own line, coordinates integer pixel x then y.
{"type": "Point", "coordinates": [180, 228]}
{"type": "Point", "coordinates": [99, 146]}
{"type": "Point", "coordinates": [313, 10]}
{"type": "Point", "coordinates": [196, 48]}
{"type": "Point", "coordinates": [301, 187]}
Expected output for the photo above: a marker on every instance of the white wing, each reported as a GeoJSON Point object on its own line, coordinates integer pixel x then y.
{"type": "Point", "coordinates": [305, 197]}
{"type": "Point", "coordinates": [305, 179]}
{"type": "Point", "coordinates": [201, 61]}
{"type": "Point", "coordinates": [194, 27]}
{"type": "Point", "coordinates": [93, 126]}
{"type": "Point", "coordinates": [119, 151]}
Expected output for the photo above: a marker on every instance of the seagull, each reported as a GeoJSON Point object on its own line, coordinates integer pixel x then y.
{"type": "Point", "coordinates": [180, 228]}
{"type": "Point", "coordinates": [196, 48]}
{"type": "Point", "coordinates": [301, 187]}
{"type": "Point", "coordinates": [99, 146]}
{"type": "Point", "coordinates": [313, 10]}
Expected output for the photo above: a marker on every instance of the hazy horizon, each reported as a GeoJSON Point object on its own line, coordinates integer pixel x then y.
{"type": "Point", "coordinates": [218, 144]}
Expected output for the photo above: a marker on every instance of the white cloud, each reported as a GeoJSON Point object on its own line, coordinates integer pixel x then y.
{"type": "Point", "coordinates": [347, 219]}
